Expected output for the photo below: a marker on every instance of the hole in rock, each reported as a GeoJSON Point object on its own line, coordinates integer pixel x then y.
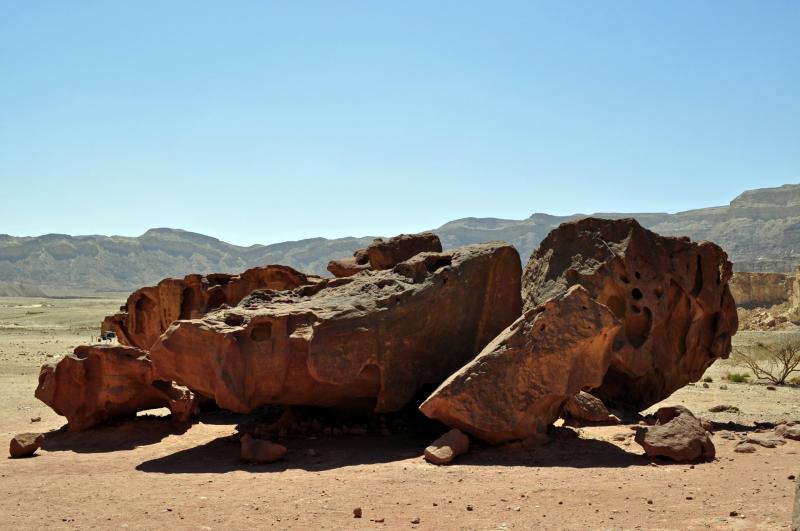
{"type": "Point", "coordinates": [261, 331]}
{"type": "Point", "coordinates": [637, 326]}
{"type": "Point", "coordinates": [636, 294]}
{"type": "Point", "coordinates": [219, 278]}
{"type": "Point", "coordinates": [187, 303]}
{"type": "Point", "coordinates": [637, 274]}
{"type": "Point", "coordinates": [659, 292]}
{"type": "Point", "coordinates": [438, 263]}
{"type": "Point", "coordinates": [216, 299]}
{"type": "Point", "coordinates": [234, 319]}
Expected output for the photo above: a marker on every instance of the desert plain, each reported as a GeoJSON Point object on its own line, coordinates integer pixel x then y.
{"type": "Point", "coordinates": [146, 473]}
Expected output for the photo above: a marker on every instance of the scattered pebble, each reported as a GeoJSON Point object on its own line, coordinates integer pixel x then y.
{"type": "Point", "coordinates": [415, 520]}
{"type": "Point", "coordinates": [357, 512]}
{"type": "Point", "coordinates": [469, 507]}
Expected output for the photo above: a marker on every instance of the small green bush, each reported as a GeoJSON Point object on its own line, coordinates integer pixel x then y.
{"type": "Point", "coordinates": [737, 377]}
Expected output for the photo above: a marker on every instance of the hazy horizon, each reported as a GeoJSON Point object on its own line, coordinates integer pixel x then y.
{"type": "Point", "coordinates": [274, 122]}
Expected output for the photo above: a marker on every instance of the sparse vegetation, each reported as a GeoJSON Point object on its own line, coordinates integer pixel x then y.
{"type": "Point", "coordinates": [774, 363]}
{"type": "Point", "coordinates": [737, 377]}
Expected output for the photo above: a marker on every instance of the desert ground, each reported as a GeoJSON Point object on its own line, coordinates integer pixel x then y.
{"type": "Point", "coordinates": [146, 473]}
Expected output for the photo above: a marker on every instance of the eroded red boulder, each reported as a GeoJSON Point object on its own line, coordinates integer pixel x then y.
{"type": "Point", "coordinates": [373, 339]}
{"type": "Point", "coordinates": [97, 383]}
{"type": "Point", "coordinates": [670, 294]}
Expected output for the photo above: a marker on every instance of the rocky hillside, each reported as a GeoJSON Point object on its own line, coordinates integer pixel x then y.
{"type": "Point", "coordinates": [760, 230]}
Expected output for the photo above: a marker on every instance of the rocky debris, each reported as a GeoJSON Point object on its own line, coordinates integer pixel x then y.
{"type": "Point", "coordinates": [587, 408]}
{"type": "Point", "coordinates": [260, 451]}
{"type": "Point", "coordinates": [446, 448]}
{"type": "Point", "coordinates": [670, 294]}
{"type": "Point", "coordinates": [357, 512]}
{"type": "Point", "coordinates": [518, 384]}
{"type": "Point", "coordinates": [788, 431]}
{"type": "Point", "coordinates": [97, 383]}
{"type": "Point", "coordinates": [778, 317]}
{"type": "Point", "coordinates": [385, 254]}
{"type": "Point", "coordinates": [25, 444]}
{"type": "Point", "coordinates": [678, 435]}
{"type": "Point", "coordinates": [149, 311]}
{"type": "Point", "coordinates": [372, 339]}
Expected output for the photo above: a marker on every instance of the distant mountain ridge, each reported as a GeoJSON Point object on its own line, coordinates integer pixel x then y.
{"type": "Point", "coordinates": [760, 230]}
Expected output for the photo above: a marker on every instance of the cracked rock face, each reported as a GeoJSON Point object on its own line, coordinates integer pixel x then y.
{"type": "Point", "coordinates": [670, 294]}
{"type": "Point", "coordinates": [375, 338]}
{"type": "Point", "coordinates": [149, 311]}
{"type": "Point", "coordinates": [97, 383]}
{"type": "Point", "coordinates": [516, 387]}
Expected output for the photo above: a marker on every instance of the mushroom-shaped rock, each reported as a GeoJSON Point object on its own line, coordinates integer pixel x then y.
{"type": "Point", "coordinates": [25, 444]}
{"type": "Point", "coordinates": [671, 295]}
{"type": "Point", "coordinates": [371, 339]}
{"type": "Point", "coordinates": [587, 408]}
{"type": "Point", "coordinates": [149, 311]}
{"type": "Point", "coordinates": [677, 435]}
{"type": "Point", "coordinates": [97, 383]}
{"type": "Point", "coordinates": [515, 388]}
{"type": "Point", "coordinates": [443, 450]}
{"type": "Point", "coordinates": [260, 451]}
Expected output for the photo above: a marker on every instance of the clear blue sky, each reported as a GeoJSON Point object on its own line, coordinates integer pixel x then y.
{"type": "Point", "coordinates": [262, 122]}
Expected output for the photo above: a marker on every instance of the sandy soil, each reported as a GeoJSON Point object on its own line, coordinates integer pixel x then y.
{"type": "Point", "coordinates": [146, 474]}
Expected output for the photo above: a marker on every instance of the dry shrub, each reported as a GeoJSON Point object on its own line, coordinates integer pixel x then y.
{"type": "Point", "coordinates": [774, 363]}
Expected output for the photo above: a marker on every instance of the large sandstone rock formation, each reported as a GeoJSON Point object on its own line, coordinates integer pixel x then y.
{"type": "Point", "coordinates": [375, 337]}
{"type": "Point", "coordinates": [97, 383]}
{"type": "Point", "coordinates": [385, 254]}
{"type": "Point", "coordinates": [149, 311]}
{"type": "Point", "coordinates": [670, 294]}
{"type": "Point", "coordinates": [516, 387]}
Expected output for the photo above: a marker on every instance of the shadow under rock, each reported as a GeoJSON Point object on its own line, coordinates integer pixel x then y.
{"type": "Point", "coordinates": [112, 436]}
{"type": "Point", "coordinates": [222, 454]}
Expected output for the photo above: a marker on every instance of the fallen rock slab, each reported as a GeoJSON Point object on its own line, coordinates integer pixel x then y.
{"type": "Point", "coordinates": [516, 387]}
{"type": "Point", "coordinates": [744, 448]}
{"type": "Point", "coordinates": [25, 444]}
{"type": "Point", "coordinates": [149, 311]}
{"type": "Point", "coordinates": [260, 451]}
{"type": "Point", "coordinates": [678, 435]}
{"type": "Point", "coordinates": [97, 383]}
{"type": "Point", "coordinates": [369, 340]}
{"type": "Point", "coordinates": [671, 295]}
{"type": "Point", "coordinates": [446, 448]}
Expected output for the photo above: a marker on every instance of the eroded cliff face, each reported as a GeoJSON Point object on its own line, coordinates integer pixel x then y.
{"type": "Point", "coordinates": [762, 290]}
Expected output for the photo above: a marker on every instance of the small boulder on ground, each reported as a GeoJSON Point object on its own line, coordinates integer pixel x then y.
{"type": "Point", "coordinates": [585, 407]}
{"type": "Point", "coordinates": [261, 451]}
{"type": "Point", "coordinates": [744, 448]}
{"type": "Point", "coordinates": [678, 435]}
{"type": "Point", "coordinates": [766, 443]}
{"type": "Point", "coordinates": [443, 450]}
{"type": "Point", "coordinates": [25, 444]}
